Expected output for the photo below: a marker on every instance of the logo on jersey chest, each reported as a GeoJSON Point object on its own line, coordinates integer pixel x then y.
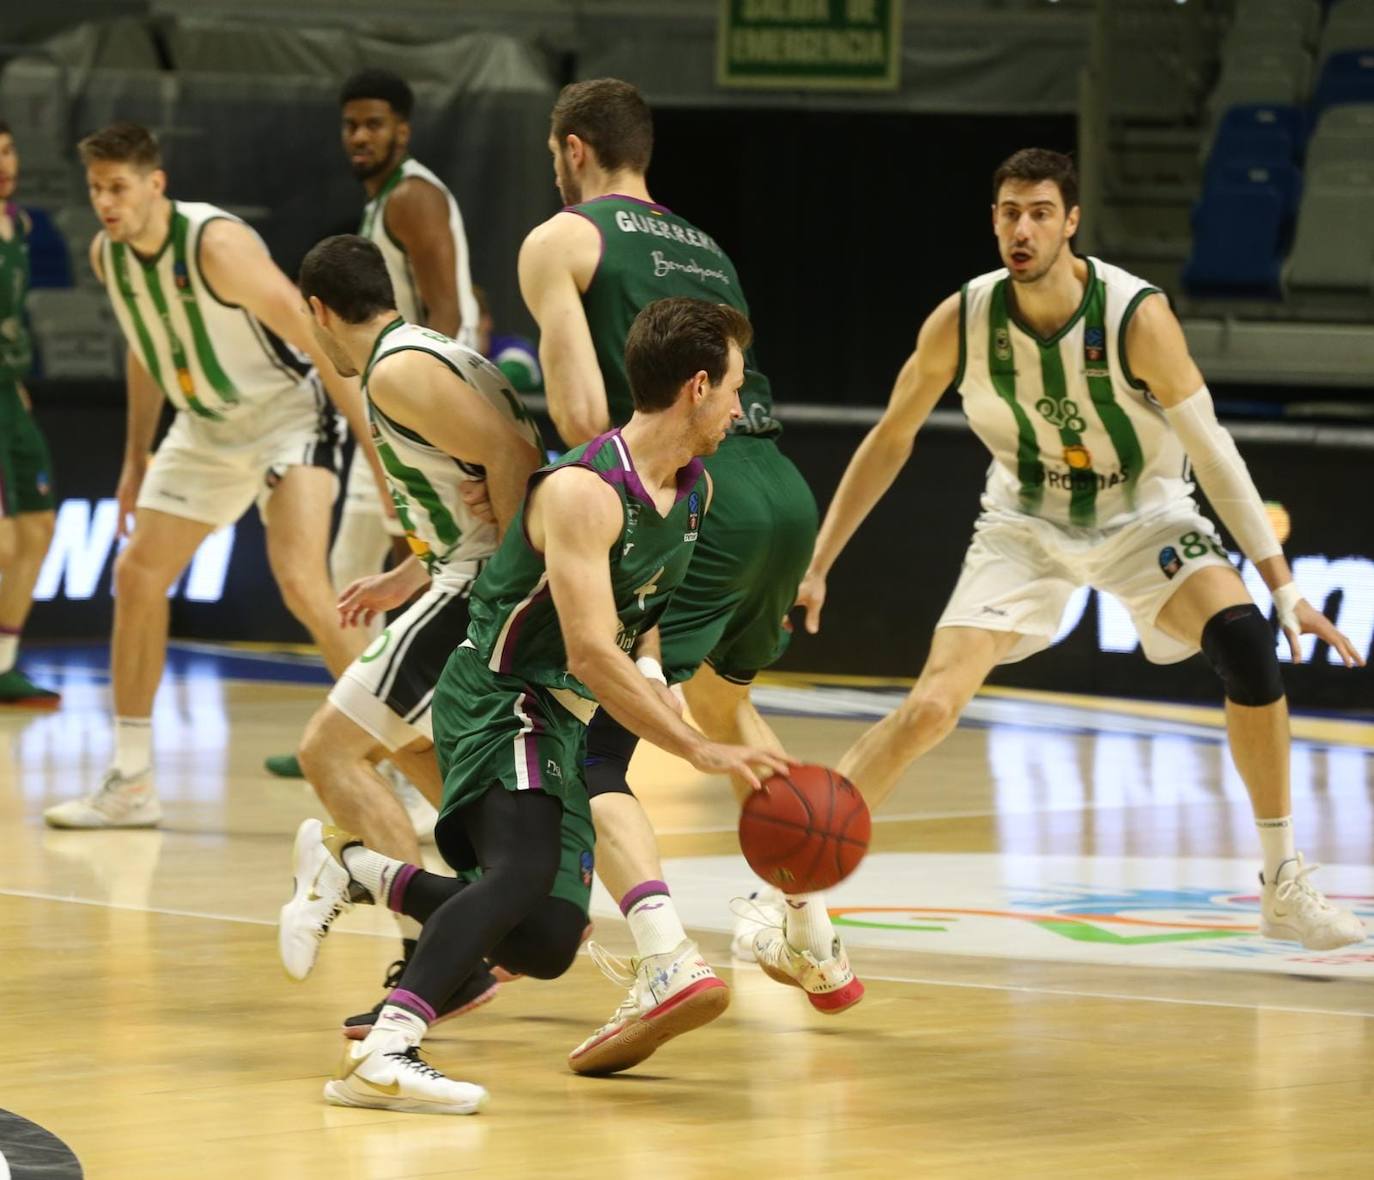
{"type": "Point", "coordinates": [1001, 344]}
{"type": "Point", "coordinates": [1061, 413]}
{"type": "Point", "coordinates": [693, 517]}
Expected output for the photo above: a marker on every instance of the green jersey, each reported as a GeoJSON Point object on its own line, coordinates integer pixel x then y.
{"type": "Point", "coordinates": [16, 351]}
{"type": "Point", "coordinates": [514, 626]}
{"type": "Point", "coordinates": [648, 252]}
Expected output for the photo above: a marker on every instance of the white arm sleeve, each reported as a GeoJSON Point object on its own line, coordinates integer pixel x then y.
{"type": "Point", "coordinates": [1223, 474]}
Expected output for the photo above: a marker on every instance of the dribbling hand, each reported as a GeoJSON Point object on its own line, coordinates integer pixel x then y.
{"type": "Point", "coordinates": [1312, 622]}
{"type": "Point", "coordinates": [474, 494]}
{"type": "Point", "coordinates": [740, 761]}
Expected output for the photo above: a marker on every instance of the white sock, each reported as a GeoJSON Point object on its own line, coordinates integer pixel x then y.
{"type": "Point", "coordinates": [133, 745]}
{"type": "Point", "coordinates": [408, 927]}
{"type": "Point", "coordinates": [808, 925]}
{"type": "Point", "coordinates": [655, 925]}
{"type": "Point", "coordinates": [1276, 840]}
{"type": "Point", "coordinates": [373, 871]}
{"type": "Point", "coordinates": [398, 1028]}
{"type": "Point", "coordinates": [9, 650]}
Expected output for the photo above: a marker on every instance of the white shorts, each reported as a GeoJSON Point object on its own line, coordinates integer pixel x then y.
{"type": "Point", "coordinates": [387, 690]}
{"type": "Point", "coordinates": [212, 472]}
{"type": "Point", "coordinates": [361, 497]}
{"type": "Point", "coordinates": [1020, 571]}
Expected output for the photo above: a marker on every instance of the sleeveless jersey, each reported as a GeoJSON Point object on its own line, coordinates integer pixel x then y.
{"type": "Point", "coordinates": [1075, 438]}
{"type": "Point", "coordinates": [423, 480]}
{"type": "Point", "coordinates": [16, 350]}
{"type": "Point", "coordinates": [211, 358]}
{"type": "Point", "coordinates": [514, 626]}
{"type": "Point", "coordinates": [408, 301]}
{"type": "Point", "coordinates": [648, 252]}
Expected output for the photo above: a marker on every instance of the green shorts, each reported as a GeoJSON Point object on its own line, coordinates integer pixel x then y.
{"type": "Point", "coordinates": [755, 545]}
{"type": "Point", "coordinates": [25, 464]}
{"type": "Point", "coordinates": [493, 731]}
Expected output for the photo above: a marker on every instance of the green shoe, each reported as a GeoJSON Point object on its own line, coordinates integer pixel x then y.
{"type": "Point", "coordinates": [284, 766]}
{"type": "Point", "coordinates": [18, 689]}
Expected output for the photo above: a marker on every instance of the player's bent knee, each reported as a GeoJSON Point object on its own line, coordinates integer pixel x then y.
{"type": "Point", "coordinates": [545, 944]}
{"type": "Point", "coordinates": [135, 578]}
{"type": "Point", "coordinates": [928, 712]}
{"type": "Point", "coordinates": [606, 776]}
{"type": "Point", "coordinates": [1239, 645]}
{"type": "Point", "coordinates": [610, 746]}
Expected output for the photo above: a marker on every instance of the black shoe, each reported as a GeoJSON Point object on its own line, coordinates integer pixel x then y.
{"type": "Point", "coordinates": [479, 988]}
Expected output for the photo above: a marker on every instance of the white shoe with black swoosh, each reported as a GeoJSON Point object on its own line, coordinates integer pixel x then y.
{"type": "Point", "coordinates": [399, 1079]}
{"type": "Point", "coordinates": [321, 891]}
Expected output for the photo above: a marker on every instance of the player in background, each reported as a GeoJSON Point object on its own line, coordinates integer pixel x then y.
{"type": "Point", "coordinates": [1077, 377]}
{"type": "Point", "coordinates": [601, 541]}
{"type": "Point", "coordinates": [27, 506]}
{"type": "Point", "coordinates": [213, 326]}
{"type": "Point", "coordinates": [440, 416]}
{"type": "Point", "coordinates": [584, 273]}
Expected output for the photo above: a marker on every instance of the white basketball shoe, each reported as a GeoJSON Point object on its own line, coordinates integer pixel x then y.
{"type": "Point", "coordinates": [1294, 910]}
{"type": "Point", "coordinates": [670, 994]}
{"type": "Point", "coordinates": [322, 889]}
{"type": "Point", "coordinates": [399, 1079]}
{"type": "Point", "coordinates": [754, 914]}
{"type": "Point", "coordinates": [830, 984]}
{"type": "Point", "coordinates": [119, 802]}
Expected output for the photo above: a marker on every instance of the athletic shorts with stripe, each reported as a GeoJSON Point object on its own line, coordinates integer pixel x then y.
{"type": "Point", "coordinates": [1020, 571]}
{"type": "Point", "coordinates": [388, 690]}
{"type": "Point", "coordinates": [755, 545]}
{"type": "Point", "coordinates": [25, 462]}
{"type": "Point", "coordinates": [213, 472]}
{"type": "Point", "coordinates": [497, 733]}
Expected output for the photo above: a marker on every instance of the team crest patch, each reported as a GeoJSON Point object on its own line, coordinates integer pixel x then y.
{"type": "Point", "coordinates": [1078, 457]}
{"type": "Point", "coordinates": [1095, 344]}
{"type": "Point", "coordinates": [584, 862]}
{"type": "Point", "coordinates": [1001, 344]}
{"type": "Point", "coordinates": [1169, 561]}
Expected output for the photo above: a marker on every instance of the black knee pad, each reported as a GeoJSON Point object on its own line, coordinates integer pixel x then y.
{"type": "Point", "coordinates": [1239, 645]}
{"type": "Point", "coordinates": [610, 747]}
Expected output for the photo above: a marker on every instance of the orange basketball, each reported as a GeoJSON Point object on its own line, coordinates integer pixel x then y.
{"type": "Point", "coordinates": [806, 830]}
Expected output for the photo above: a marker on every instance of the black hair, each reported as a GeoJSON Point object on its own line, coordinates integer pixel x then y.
{"type": "Point", "coordinates": [348, 275]}
{"type": "Point", "coordinates": [381, 84]}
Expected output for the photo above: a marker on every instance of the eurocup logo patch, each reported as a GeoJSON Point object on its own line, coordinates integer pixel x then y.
{"type": "Point", "coordinates": [1094, 344]}
{"type": "Point", "coordinates": [181, 277]}
{"type": "Point", "coordinates": [584, 862]}
{"type": "Point", "coordinates": [693, 517]}
{"type": "Point", "coordinates": [1169, 561]}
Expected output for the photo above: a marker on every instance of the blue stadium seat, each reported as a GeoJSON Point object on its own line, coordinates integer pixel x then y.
{"type": "Point", "coordinates": [1284, 178]}
{"type": "Point", "coordinates": [1269, 118]}
{"type": "Point", "coordinates": [49, 265]}
{"type": "Point", "coordinates": [1237, 242]}
{"type": "Point", "coordinates": [1346, 77]}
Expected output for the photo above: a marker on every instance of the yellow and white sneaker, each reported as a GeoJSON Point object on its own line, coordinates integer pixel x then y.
{"type": "Point", "coordinates": [753, 915]}
{"type": "Point", "coordinates": [321, 890]}
{"type": "Point", "coordinates": [1295, 910]}
{"type": "Point", "coordinates": [669, 995]}
{"type": "Point", "coordinates": [119, 802]}
{"type": "Point", "coordinates": [400, 1080]}
{"type": "Point", "coordinates": [830, 984]}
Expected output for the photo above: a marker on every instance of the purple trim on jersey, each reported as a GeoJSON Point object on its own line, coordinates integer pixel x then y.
{"type": "Point", "coordinates": [620, 197]}
{"type": "Point", "coordinates": [602, 254]}
{"type": "Point", "coordinates": [395, 896]}
{"type": "Point", "coordinates": [687, 479]}
{"type": "Point", "coordinates": [640, 892]}
{"type": "Point", "coordinates": [513, 632]}
{"type": "Point", "coordinates": [413, 1004]}
{"type": "Point", "coordinates": [533, 718]}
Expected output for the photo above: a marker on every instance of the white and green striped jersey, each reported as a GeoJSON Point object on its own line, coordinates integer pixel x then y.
{"type": "Point", "coordinates": [408, 301]}
{"type": "Point", "coordinates": [424, 481]}
{"type": "Point", "coordinates": [1075, 438]}
{"type": "Point", "coordinates": [211, 358]}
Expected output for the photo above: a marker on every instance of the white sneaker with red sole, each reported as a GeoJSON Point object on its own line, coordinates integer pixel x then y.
{"type": "Point", "coordinates": [830, 984]}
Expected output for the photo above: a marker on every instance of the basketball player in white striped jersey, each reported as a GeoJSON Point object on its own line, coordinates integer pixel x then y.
{"type": "Point", "coordinates": [416, 223]}
{"type": "Point", "coordinates": [1077, 377]}
{"type": "Point", "coordinates": [213, 326]}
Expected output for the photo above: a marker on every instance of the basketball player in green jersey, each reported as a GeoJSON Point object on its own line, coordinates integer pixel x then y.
{"type": "Point", "coordinates": [26, 499]}
{"type": "Point", "coordinates": [584, 273]}
{"type": "Point", "coordinates": [214, 326]}
{"type": "Point", "coordinates": [1077, 377]}
{"type": "Point", "coordinates": [601, 542]}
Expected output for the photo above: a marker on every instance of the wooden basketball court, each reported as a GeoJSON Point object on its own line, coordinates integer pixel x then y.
{"type": "Point", "coordinates": [1055, 927]}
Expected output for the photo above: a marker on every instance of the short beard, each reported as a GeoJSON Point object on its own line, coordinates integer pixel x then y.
{"type": "Point", "coordinates": [385, 165]}
{"type": "Point", "coordinates": [1027, 280]}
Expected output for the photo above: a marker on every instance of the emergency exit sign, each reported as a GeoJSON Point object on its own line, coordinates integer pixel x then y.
{"type": "Point", "coordinates": [809, 44]}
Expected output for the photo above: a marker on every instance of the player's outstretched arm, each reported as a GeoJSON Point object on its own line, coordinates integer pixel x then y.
{"type": "Point", "coordinates": [928, 372]}
{"type": "Point", "coordinates": [552, 257]}
{"type": "Point", "coordinates": [237, 265]}
{"type": "Point", "coordinates": [417, 216]}
{"type": "Point", "coordinates": [1160, 358]}
{"type": "Point", "coordinates": [437, 404]}
{"type": "Point", "coordinates": [575, 519]}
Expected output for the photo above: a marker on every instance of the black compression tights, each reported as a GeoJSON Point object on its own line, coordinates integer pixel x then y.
{"type": "Point", "coordinates": [507, 913]}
